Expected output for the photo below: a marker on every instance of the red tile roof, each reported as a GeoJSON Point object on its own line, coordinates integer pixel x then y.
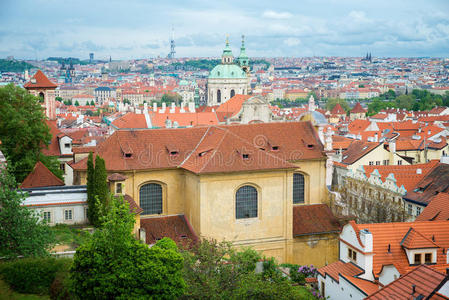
{"type": "Point", "coordinates": [41, 176]}
{"type": "Point", "coordinates": [424, 278]}
{"type": "Point", "coordinates": [357, 150]}
{"type": "Point", "coordinates": [392, 234]}
{"type": "Point", "coordinates": [358, 109]}
{"type": "Point", "coordinates": [130, 120]}
{"type": "Point", "coordinates": [435, 181]}
{"type": "Point", "coordinates": [223, 148]}
{"type": "Point", "coordinates": [406, 175]}
{"type": "Point", "coordinates": [314, 219]}
{"type": "Point", "coordinates": [175, 227]}
{"type": "Point", "coordinates": [366, 286]}
{"type": "Point", "coordinates": [339, 267]}
{"type": "Point", "coordinates": [338, 110]}
{"type": "Point", "coordinates": [415, 240]}
{"type": "Point", "coordinates": [232, 106]}
{"type": "Point", "coordinates": [53, 148]}
{"type": "Point", "coordinates": [438, 209]}
{"type": "Point", "coordinates": [41, 81]}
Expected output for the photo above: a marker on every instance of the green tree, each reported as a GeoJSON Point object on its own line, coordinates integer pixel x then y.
{"type": "Point", "coordinates": [23, 130]}
{"type": "Point", "coordinates": [126, 101]}
{"type": "Point", "coordinates": [330, 104]}
{"type": "Point", "coordinates": [170, 98]}
{"type": "Point", "coordinates": [92, 103]}
{"type": "Point", "coordinates": [77, 103]}
{"type": "Point", "coordinates": [215, 270]}
{"type": "Point", "coordinates": [405, 101]}
{"type": "Point", "coordinates": [98, 196]}
{"type": "Point", "coordinates": [21, 231]}
{"type": "Point", "coordinates": [377, 105]}
{"type": "Point", "coordinates": [89, 113]}
{"type": "Point", "coordinates": [59, 99]}
{"type": "Point", "coordinates": [91, 212]}
{"type": "Point", "coordinates": [114, 265]}
{"type": "Point", "coordinates": [53, 164]}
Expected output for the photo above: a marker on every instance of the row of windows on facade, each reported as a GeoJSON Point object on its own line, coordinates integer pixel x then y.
{"type": "Point", "coordinates": [419, 258]}
{"type": "Point", "coordinates": [246, 198]}
{"type": "Point", "coordinates": [68, 215]}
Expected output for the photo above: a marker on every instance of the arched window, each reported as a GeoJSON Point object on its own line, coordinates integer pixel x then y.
{"type": "Point", "coordinates": [150, 196]}
{"type": "Point", "coordinates": [219, 96]}
{"type": "Point", "coordinates": [41, 97]}
{"type": "Point", "coordinates": [298, 188]}
{"type": "Point", "coordinates": [246, 202]}
{"type": "Point", "coordinates": [232, 93]}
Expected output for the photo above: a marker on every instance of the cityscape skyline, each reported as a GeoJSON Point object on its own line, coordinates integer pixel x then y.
{"type": "Point", "coordinates": [137, 29]}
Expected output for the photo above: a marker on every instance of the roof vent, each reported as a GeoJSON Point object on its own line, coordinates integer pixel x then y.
{"type": "Point", "coordinates": [418, 171]}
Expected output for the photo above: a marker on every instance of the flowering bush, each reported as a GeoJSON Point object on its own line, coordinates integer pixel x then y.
{"type": "Point", "coordinates": [308, 271]}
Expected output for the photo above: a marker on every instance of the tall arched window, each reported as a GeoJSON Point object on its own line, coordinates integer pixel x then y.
{"type": "Point", "coordinates": [298, 188]}
{"type": "Point", "coordinates": [219, 96]}
{"type": "Point", "coordinates": [246, 202]}
{"type": "Point", "coordinates": [232, 93]}
{"type": "Point", "coordinates": [150, 196]}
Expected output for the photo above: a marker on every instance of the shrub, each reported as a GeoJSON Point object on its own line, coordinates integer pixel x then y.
{"type": "Point", "coordinates": [60, 288]}
{"type": "Point", "coordinates": [33, 275]}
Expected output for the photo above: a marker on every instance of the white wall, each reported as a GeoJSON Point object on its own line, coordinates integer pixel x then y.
{"type": "Point", "coordinates": [57, 213]}
{"type": "Point", "coordinates": [388, 274]}
{"type": "Point", "coordinates": [341, 290]}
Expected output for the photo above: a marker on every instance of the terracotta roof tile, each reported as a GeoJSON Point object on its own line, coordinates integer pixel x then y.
{"type": "Point", "coordinates": [366, 286]}
{"type": "Point", "coordinates": [437, 210]}
{"type": "Point", "coordinates": [41, 81]}
{"type": "Point", "coordinates": [41, 176]}
{"type": "Point", "coordinates": [130, 120]}
{"type": "Point", "coordinates": [53, 148]}
{"type": "Point", "coordinates": [338, 110]}
{"type": "Point", "coordinates": [175, 227]}
{"type": "Point", "coordinates": [435, 181]}
{"type": "Point", "coordinates": [116, 177]}
{"type": "Point", "coordinates": [415, 240]}
{"type": "Point", "coordinates": [313, 219]}
{"type": "Point", "coordinates": [424, 278]}
{"type": "Point", "coordinates": [339, 267]}
{"type": "Point", "coordinates": [358, 109]}
{"type": "Point", "coordinates": [357, 150]}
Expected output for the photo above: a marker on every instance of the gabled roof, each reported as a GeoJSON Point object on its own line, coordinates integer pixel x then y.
{"type": "Point", "coordinates": [41, 81]}
{"type": "Point", "coordinates": [437, 210]}
{"type": "Point", "coordinates": [436, 181]}
{"type": "Point", "coordinates": [339, 267]}
{"type": "Point", "coordinates": [338, 110]}
{"type": "Point", "coordinates": [314, 219]}
{"type": "Point", "coordinates": [424, 278]}
{"type": "Point", "coordinates": [223, 148]}
{"type": "Point", "coordinates": [41, 176]}
{"type": "Point", "coordinates": [175, 227]}
{"type": "Point", "coordinates": [53, 148]}
{"type": "Point", "coordinates": [233, 105]}
{"type": "Point", "coordinates": [415, 240]}
{"type": "Point", "coordinates": [390, 235]}
{"type": "Point", "coordinates": [358, 109]}
{"type": "Point", "coordinates": [357, 150]}
{"type": "Point", "coordinates": [130, 120]}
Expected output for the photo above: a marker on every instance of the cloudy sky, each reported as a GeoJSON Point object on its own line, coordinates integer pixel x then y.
{"type": "Point", "coordinates": [128, 29]}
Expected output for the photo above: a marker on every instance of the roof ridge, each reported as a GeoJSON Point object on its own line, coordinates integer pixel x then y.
{"type": "Point", "coordinates": [196, 147]}
{"type": "Point", "coordinates": [215, 151]}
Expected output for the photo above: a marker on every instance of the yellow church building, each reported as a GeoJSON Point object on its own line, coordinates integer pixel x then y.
{"type": "Point", "coordinates": [259, 185]}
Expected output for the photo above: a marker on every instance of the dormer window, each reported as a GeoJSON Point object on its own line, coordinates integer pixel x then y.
{"type": "Point", "coordinates": [352, 255]}
{"type": "Point", "coordinates": [417, 258]}
{"type": "Point", "coordinates": [174, 153]}
{"type": "Point", "coordinates": [245, 156]}
{"type": "Point", "coordinates": [428, 258]}
{"type": "Point", "coordinates": [118, 188]}
{"type": "Point", "coordinates": [274, 148]}
{"type": "Point", "coordinates": [128, 155]}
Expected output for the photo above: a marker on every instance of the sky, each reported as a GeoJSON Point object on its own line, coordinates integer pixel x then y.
{"type": "Point", "coordinates": [132, 29]}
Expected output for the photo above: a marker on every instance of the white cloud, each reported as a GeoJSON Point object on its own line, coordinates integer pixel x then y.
{"type": "Point", "coordinates": [271, 14]}
{"type": "Point", "coordinates": [292, 41]}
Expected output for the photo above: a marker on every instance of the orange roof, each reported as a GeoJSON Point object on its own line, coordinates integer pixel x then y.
{"type": "Point", "coordinates": [357, 126]}
{"type": "Point", "coordinates": [438, 209]}
{"type": "Point", "coordinates": [225, 148]}
{"type": "Point", "coordinates": [405, 175]}
{"type": "Point", "coordinates": [338, 110]}
{"type": "Point", "coordinates": [130, 120]}
{"type": "Point", "coordinates": [366, 286]}
{"type": "Point", "coordinates": [415, 240]}
{"type": "Point", "coordinates": [357, 150]}
{"type": "Point", "coordinates": [184, 119]}
{"type": "Point", "coordinates": [358, 109]}
{"type": "Point", "coordinates": [424, 278]}
{"type": "Point", "coordinates": [53, 148]}
{"type": "Point", "coordinates": [392, 234]}
{"type": "Point", "coordinates": [233, 105]}
{"type": "Point", "coordinates": [339, 267]}
{"type": "Point", "coordinates": [41, 81]}
{"type": "Point", "coordinates": [41, 176]}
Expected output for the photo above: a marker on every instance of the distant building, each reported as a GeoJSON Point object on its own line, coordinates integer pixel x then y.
{"type": "Point", "coordinates": [228, 78]}
{"type": "Point", "coordinates": [40, 86]}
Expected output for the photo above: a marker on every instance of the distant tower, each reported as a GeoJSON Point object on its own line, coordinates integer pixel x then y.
{"type": "Point", "coordinates": [172, 45]}
{"type": "Point", "coordinates": [311, 103]}
{"type": "Point", "coordinates": [91, 57]}
{"type": "Point", "coordinates": [40, 86]}
{"type": "Point", "coordinates": [110, 58]}
{"type": "Point", "coordinates": [243, 58]}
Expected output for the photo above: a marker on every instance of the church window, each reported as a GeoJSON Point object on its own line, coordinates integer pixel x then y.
{"type": "Point", "coordinates": [246, 202]}
{"type": "Point", "coordinates": [298, 188]}
{"type": "Point", "coordinates": [218, 73]}
{"type": "Point", "coordinates": [151, 198]}
{"type": "Point", "coordinates": [219, 96]}
{"type": "Point", "coordinates": [232, 93]}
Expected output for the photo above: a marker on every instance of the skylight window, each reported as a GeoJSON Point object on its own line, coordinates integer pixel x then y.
{"type": "Point", "coordinates": [245, 156]}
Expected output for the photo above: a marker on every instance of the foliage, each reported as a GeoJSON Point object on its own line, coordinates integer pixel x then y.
{"type": "Point", "coordinates": [281, 103]}
{"type": "Point", "coordinates": [52, 163]}
{"type": "Point", "coordinates": [114, 265]}
{"type": "Point", "coordinates": [68, 60]}
{"type": "Point", "coordinates": [21, 231]}
{"type": "Point", "coordinates": [126, 101]}
{"type": "Point", "coordinates": [60, 287]}
{"type": "Point", "coordinates": [89, 113]}
{"type": "Point", "coordinates": [23, 130]}
{"type": "Point", "coordinates": [7, 293]}
{"type": "Point", "coordinates": [209, 64]}
{"type": "Point", "coordinates": [97, 189]}
{"type": "Point", "coordinates": [331, 102]}
{"type": "Point", "coordinates": [169, 98]}
{"type": "Point", "coordinates": [59, 99]}
{"type": "Point", "coordinates": [68, 102]}
{"type": "Point", "coordinates": [33, 275]}
{"type": "Point", "coordinates": [77, 103]}
{"type": "Point", "coordinates": [7, 65]}
{"type": "Point", "coordinates": [69, 235]}
{"type": "Point", "coordinates": [92, 103]}
{"type": "Point", "coordinates": [215, 270]}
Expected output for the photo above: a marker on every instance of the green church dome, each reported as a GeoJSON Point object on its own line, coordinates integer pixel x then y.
{"type": "Point", "coordinates": [224, 71]}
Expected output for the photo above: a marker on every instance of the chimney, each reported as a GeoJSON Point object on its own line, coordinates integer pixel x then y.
{"type": "Point", "coordinates": [173, 108]}
{"type": "Point", "coordinates": [182, 107]}
{"type": "Point", "coordinates": [366, 260]}
{"type": "Point", "coordinates": [154, 106]}
{"type": "Point", "coordinates": [376, 137]}
{"type": "Point", "coordinates": [418, 171]}
{"type": "Point", "coordinates": [192, 107]}
{"type": "Point", "coordinates": [164, 106]}
{"type": "Point", "coordinates": [393, 146]}
{"type": "Point", "coordinates": [145, 107]}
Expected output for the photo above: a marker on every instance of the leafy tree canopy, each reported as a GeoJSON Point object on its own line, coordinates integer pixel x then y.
{"type": "Point", "coordinates": [23, 131]}
{"type": "Point", "coordinates": [7, 65]}
{"type": "Point", "coordinates": [21, 231]}
{"type": "Point", "coordinates": [330, 104]}
{"type": "Point", "coordinates": [114, 265]}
